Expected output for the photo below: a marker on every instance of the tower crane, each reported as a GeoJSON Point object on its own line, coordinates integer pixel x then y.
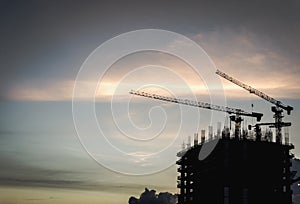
{"type": "Point", "coordinates": [277, 109]}
{"type": "Point", "coordinates": [237, 112]}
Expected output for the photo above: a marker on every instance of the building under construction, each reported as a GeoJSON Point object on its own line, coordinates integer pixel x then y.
{"type": "Point", "coordinates": [240, 168]}
{"type": "Point", "coordinates": [236, 171]}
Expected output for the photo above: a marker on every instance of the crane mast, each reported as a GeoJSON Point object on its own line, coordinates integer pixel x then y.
{"type": "Point", "coordinates": [236, 118]}
{"type": "Point", "coordinates": [277, 109]}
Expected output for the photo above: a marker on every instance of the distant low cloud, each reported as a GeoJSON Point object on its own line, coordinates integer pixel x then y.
{"type": "Point", "coordinates": [150, 197]}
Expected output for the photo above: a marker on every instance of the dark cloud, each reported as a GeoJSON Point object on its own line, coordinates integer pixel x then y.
{"type": "Point", "coordinates": [49, 40]}
{"type": "Point", "coordinates": [150, 197]}
{"type": "Point", "coordinates": [35, 177]}
{"type": "Point", "coordinates": [69, 172]}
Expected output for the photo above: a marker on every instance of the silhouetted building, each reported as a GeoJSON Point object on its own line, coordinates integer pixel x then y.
{"type": "Point", "coordinates": [237, 171]}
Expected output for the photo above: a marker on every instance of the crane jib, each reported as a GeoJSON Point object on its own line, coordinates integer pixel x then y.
{"type": "Point", "coordinates": [199, 104]}
{"type": "Point", "coordinates": [256, 92]}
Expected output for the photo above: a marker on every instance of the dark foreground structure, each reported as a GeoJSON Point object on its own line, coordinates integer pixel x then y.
{"type": "Point", "coordinates": [236, 172]}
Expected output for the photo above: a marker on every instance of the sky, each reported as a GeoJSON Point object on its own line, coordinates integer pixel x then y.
{"type": "Point", "coordinates": [105, 145]}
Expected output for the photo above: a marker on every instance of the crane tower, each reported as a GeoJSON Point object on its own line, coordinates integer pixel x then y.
{"type": "Point", "coordinates": [277, 109]}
